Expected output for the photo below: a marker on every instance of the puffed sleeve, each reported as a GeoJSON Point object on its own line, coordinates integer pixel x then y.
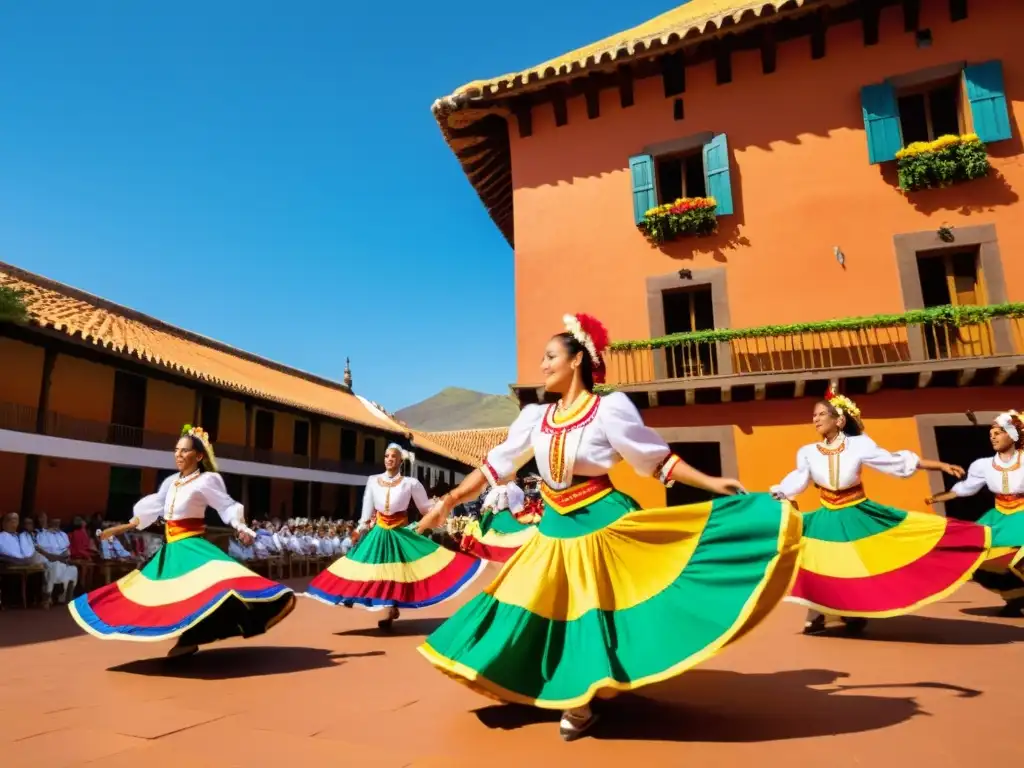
{"type": "Point", "coordinates": [795, 482]}
{"type": "Point", "coordinates": [419, 496]}
{"type": "Point", "coordinates": [974, 481]}
{"type": "Point", "coordinates": [367, 514]}
{"type": "Point", "coordinates": [503, 460]}
{"type": "Point", "coordinates": [642, 448]}
{"type": "Point", "coordinates": [148, 509]}
{"type": "Point", "coordinates": [898, 464]}
{"type": "Point", "coordinates": [216, 495]}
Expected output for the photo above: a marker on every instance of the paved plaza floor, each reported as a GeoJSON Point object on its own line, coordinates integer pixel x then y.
{"type": "Point", "coordinates": [325, 688]}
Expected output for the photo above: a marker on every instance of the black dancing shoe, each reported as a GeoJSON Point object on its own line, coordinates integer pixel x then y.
{"type": "Point", "coordinates": [855, 626]}
{"type": "Point", "coordinates": [815, 626]}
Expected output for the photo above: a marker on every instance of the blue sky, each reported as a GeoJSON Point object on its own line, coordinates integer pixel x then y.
{"type": "Point", "coordinates": [274, 178]}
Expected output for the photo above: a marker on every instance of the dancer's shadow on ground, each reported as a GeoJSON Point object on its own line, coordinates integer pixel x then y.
{"type": "Point", "coordinates": [237, 663]}
{"type": "Point", "coordinates": [406, 627]}
{"type": "Point", "coordinates": [720, 706]}
{"type": "Point", "coordinates": [928, 630]}
{"type": "Point", "coordinates": [991, 612]}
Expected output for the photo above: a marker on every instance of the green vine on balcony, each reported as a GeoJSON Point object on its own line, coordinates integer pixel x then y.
{"type": "Point", "coordinates": [12, 305]}
{"type": "Point", "coordinates": [945, 315]}
{"type": "Point", "coordinates": [947, 160]}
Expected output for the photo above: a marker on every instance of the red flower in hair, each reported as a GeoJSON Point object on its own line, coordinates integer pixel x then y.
{"type": "Point", "coordinates": [598, 334]}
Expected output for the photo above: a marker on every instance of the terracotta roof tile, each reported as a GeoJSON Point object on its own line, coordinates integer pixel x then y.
{"type": "Point", "coordinates": [484, 154]}
{"type": "Point", "coordinates": [105, 324]}
{"type": "Point", "coordinates": [470, 444]}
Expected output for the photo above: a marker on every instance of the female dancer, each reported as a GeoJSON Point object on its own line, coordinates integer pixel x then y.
{"type": "Point", "coordinates": [393, 567]}
{"type": "Point", "coordinates": [1003, 475]}
{"type": "Point", "coordinates": [505, 525]}
{"type": "Point", "coordinates": [861, 559]}
{"type": "Point", "coordinates": [189, 589]}
{"type": "Point", "coordinates": [607, 596]}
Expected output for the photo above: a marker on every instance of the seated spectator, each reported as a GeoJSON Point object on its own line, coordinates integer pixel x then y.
{"type": "Point", "coordinates": [114, 549]}
{"type": "Point", "coordinates": [54, 548]}
{"type": "Point", "coordinates": [238, 550]}
{"type": "Point", "coordinates": [83, 547]}
{"type": "Point", "coordinates": [14, 549]}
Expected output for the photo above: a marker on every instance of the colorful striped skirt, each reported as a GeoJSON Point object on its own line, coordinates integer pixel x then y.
{"type": "Point", "coordinates": [394, 566]}
{"type": "Point", "coordinates": [1003, 571]}
{"type": "Point", "coordinates": [497, 536]}
{"type": "Point", "coordinates": [609, 597]}
{"type": "Point", "coordinates": [866, 560]}
{"type": "Point", "coordinates": [188, 589]}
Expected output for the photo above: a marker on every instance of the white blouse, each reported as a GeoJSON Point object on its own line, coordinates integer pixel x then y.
{"type": "Point", "coordinates": [391, 495]}
{"type": "Point", "coordinates": [838, 468]}
{"type": "Point", "coordinates": [1001, 477]}
{"type": "Point", "coordinates": [587, 442]}
{"type": "Point", "coordinates": [187, 498]}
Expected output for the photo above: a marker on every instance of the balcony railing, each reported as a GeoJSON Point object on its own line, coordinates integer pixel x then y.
{"type": "Point", "coordinates": [23, 418]}
{"type": "Point", "coordinates": [936, 333]}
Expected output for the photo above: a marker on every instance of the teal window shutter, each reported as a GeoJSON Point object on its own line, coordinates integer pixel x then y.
{"type": "Point", "coordinates": [881, 122]}
{"type": "Point", "coordinates": [716, 174]}
{"type": "Point", "coordinates": [987, 97]}
{"type": "Point", "coordinates": [641, 172]}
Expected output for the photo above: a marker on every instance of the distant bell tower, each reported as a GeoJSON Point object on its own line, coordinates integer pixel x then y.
{"type": "Point", "coordinates": [347, 380]}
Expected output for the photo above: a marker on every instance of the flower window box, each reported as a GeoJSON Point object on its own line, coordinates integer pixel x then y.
{"type": "Point", "coordinates": [686, 217]}
{"type": "Point", "coordinates": [947, 160]}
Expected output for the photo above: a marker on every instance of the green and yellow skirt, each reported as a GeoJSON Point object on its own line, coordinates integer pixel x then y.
{"type": "Point", "coordinates": [498, 536]}
{"type": "Point", "coordinates": [609, 597]}
{"type": "Point", "coordinates": [864, 560]}
{"type": "Point", "coordinates": [392, 566]}
{"type": "Point", "coordinates": [1003, 571]}
{"type": "Point", "coordinates": [188, 589]}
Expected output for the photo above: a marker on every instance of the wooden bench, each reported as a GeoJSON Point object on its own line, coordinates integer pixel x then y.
{"type": "Point", "coordinates": [22, 573]}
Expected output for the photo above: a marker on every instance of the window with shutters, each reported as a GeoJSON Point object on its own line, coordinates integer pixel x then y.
{"type": "Point", "coordinates": [953, 99]}
{"type": "Point", "coordinates": [692, 167]}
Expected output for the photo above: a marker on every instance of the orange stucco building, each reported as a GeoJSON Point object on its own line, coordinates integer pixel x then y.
{"type": "Point", "coordinates": [831, 259]}
{"type": "Point", "coordinates": [93, 396]}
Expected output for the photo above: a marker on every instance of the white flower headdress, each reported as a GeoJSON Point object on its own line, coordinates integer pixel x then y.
{"type": "Point", "coordinates": [1005, 421]}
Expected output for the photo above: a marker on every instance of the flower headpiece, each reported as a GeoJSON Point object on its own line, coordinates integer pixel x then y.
{"type": "Point", "coordinates": [842, 403]}
{"type": "Point", "coordinates": [1006, 422]}
{"type": "Point", "coordinates": [593, 336]}
{"type": "Point", "coordinates": [406, 456]}
{"type": "Point", "coordinates": [203, 437]}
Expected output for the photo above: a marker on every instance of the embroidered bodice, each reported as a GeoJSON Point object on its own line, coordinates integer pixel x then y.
{"type": "Point", "coordinates": [1004, 478]}
{"type": "Point", "coordinates": [587, 440]}
{"type": "Point", "coordinates": [391, 496]}
{"type": "Point", "coordinates": [837, 467]}
{"type": "Point", "coordinates": [184, 498]}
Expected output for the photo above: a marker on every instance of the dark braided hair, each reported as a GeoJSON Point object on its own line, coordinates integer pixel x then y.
{"type": "Point", "coordinates": [573, 347]}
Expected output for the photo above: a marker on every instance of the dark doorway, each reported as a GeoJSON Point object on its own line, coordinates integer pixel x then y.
{"type": "Point", "coordinates": [124, 491]}
{"type": "Point", "coordinates": [264, 429]}
{"type": "Point", "coordinates": [707, 457]}
{"type": "Point", "coordinates": [300, 499]}
{"type": "Point", "coordinates": [962, 445]}
{"type": "Point", "coordinates": [690, 310]}
{"type": "Point", "coordinates": [128, 416]}
{"type": "Point", "coordinates": [300, 438]}
{"type": "Point", "coordinates": [259, 498]}
{"type": "Point", "coordinates": [209, 415]}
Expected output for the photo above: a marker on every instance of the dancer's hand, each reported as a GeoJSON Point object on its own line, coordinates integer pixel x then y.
{"type": "Point", "coordinates": [929, 501]}
{"type": "Point", "coordinates": [778, 495]}
{"type": "Point", "coordinates": [726, 486]}
{"type": "Point", "coordinates": [953, 469]}
{"type": "Point", "coordinates": [245, 538]}
{"type": "Point", "coordinates": [107, 534]}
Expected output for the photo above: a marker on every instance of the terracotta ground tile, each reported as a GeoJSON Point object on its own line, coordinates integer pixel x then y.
{"type": "Point", "coordinates": [68, 747]}
{"type": "Point", "coordinates": [157, 719]}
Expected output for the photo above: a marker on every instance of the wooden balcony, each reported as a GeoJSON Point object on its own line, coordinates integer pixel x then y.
{"type": "Point", "coordinates": [934, 334]}
{"type": "Point", "coordinates": [23, 418]}
{"type": "Point", "coordinates": [939, 346]}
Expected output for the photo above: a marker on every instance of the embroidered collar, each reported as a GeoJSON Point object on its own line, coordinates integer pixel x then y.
{"type": "Point", "coordinates": [383, 481]}
{"type": "Point", "coordinates": [180, 481]}
{"type": "Point", "coordinates": [578, 416]}
{"type": "Point", "coordinates": [1000, 467]}
{"type": "Point", "coordinates": [830, 449]}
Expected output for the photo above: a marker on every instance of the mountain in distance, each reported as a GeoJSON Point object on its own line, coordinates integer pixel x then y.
{"type": "Point", "coordinates": [456, 408]}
